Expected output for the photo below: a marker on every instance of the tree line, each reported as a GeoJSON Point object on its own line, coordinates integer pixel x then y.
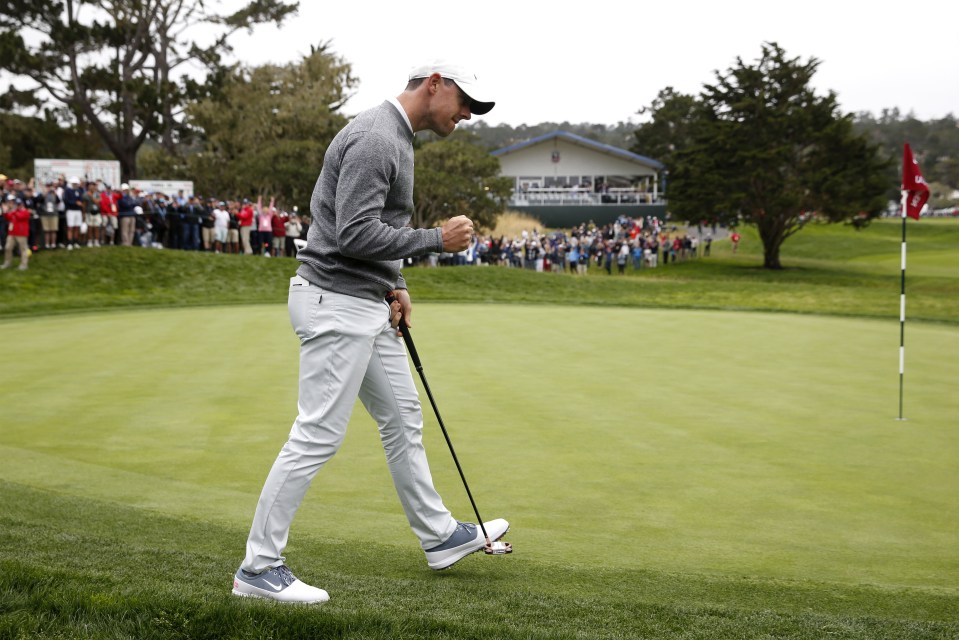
{"type": "Point", "coordinates": [105, 80]}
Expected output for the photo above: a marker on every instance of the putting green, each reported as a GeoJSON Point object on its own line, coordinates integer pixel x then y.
{"type": "Point", "coordinates": [703, 442]}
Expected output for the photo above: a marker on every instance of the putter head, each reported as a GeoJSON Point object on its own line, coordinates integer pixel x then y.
{"type": "Point", "coordinates": [497, 548]}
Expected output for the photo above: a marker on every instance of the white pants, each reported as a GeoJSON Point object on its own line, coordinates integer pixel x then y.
{"type": "Point", "coordinates": [347, 349]}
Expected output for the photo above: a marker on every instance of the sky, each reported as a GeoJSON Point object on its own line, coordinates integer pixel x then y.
{"type": "Point", "coordinates": [602, 61]}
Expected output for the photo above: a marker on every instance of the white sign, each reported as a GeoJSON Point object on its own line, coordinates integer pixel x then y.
{"type": "Point", "coordinates": [171, 188]}
{"type": "Point", "coordinates": [47, 170]}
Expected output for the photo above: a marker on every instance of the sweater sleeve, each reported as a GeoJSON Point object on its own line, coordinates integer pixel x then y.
{"type": "Point", "coordinates": [369, 164]}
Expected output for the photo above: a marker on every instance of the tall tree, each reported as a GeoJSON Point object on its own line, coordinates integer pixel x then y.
{"type": "Point", "coordinates": [458, 177]}
{"type": "Point", "coordinates": [935, 143]}
{"type": "Point", "coordinates": [119, 66]}
{"type": "Point", "coordinates": [266, 131]}
{"type": "Point", "coordinates": [769, 151]}
{"type": "Point", "coordinates": [671, 119]}
{"type": "Point", "coordinates": [25, 139]}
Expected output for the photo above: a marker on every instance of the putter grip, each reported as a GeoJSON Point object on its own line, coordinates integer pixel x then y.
{"type": "Point", "coordinates": [407, 338]}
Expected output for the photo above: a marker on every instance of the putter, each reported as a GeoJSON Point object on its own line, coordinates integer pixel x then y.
{"type": "Point", "coordinates": [493, 547]}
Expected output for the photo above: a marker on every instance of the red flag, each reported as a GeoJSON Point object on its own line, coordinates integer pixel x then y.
{"type": "Point", "coordinates": [917, 192]}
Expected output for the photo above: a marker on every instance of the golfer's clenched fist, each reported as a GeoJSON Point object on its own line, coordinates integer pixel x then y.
{"type": "Point", "coordinates": [457, 233]}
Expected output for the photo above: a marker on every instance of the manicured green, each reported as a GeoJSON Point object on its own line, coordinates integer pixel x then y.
{"type": "Point", "coordinates": [668, 472]}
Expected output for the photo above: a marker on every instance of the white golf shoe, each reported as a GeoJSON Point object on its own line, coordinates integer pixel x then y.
{"type": "Point", "coordinates": [466, 539]}
{"type": "Point", "coordinates": [278, 584]}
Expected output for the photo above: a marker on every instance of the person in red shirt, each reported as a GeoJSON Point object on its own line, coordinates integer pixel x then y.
{"type": "Point", "coordinates": [735, 239]}
{"type": "Point", "coordinates": [18, 217]}
{"type": "Point", "coordinates": [245, 217]}
{"type": "Point", "coordinates": [108, 209]}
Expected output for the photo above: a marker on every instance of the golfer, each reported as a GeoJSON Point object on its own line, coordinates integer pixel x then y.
{"type": "Point", "coordinates": [349, 346]}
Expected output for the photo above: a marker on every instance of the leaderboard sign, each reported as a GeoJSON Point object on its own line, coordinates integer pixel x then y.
{"type": "Point", "coordinates": [50, 170]}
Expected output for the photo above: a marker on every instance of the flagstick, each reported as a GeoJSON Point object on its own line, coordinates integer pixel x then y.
{"type": "Point", "coordinates": [902, 308]}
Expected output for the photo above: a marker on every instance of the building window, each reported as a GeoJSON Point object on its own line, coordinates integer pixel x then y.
{"type": "Point", "coordinates": [556, 181]}
{"type": "Point", "coordinates": [530, 182]}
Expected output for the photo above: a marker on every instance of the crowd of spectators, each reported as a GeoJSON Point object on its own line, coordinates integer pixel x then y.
{"type": "Point", "coordinates": [70, 214]}
{"type": "Point", "coordinates": [636, 243]}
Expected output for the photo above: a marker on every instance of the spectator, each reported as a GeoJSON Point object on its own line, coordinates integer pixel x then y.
{"type": "Point", "coordinates": [109, 200]}
{"type": "Point", "coordinates": [31, 203]}
{"type": "Point", "coordinates": [622, 256]}
{"type": "Point", "coordinates": [128, 217]}
{"type": "Point", "coordinates": [264, 227]}
{"type": "Point", "coordinates": [91, 215]}
{"type": "Point", "coordinates": [221, 226]}
{"type": "Point", "coordinates": [6, 206]}
{"type": "Point", "coordinates": [637, 253]}
{"type": "Point", "coordinates": [190, 224]}
{"type": "Point", "coordinates": [142, 232]}
{"type": "Point", "coordinates": [18, 221]}
{"type": "Point", "coordinates": [49, 216]}
{"type": "Point", "coordinates": [245, 220]}
{"type": "Point", "coordinates": [73, 205]}
{"type": "Point", "coordinates": [279, 233]}
{"type": "Point", "coordinates": [61, 212]}
{"type": "Point", "coordinates": [233, 229]}
{"type": "Point", "coordinates": [174, 224]}
{"type": "Point", "coordinates": [158, 221]}
{"type": "Point", "coordinates": [294, 230]}
{"type": "Point", "coordinates": [207, 223]}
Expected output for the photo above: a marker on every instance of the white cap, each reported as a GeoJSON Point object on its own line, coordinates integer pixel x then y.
{"type": "Point", "coordinates": [74, 180]}
{"type": "Point", "coordinates": [138, 210]}
{"type": "Point", "coordinates": [463, 77]}
{"type": "Point", "coordinates": [124, 186]}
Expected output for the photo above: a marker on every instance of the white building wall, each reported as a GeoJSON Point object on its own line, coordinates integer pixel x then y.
{"type": "Point", "coordinates": [573, 160]}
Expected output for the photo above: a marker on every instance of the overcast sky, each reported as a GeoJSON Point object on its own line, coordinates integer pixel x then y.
{"type": "Point", "coordinates": [601, 61]}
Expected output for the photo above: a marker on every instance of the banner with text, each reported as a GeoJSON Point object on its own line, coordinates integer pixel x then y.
{"type": "Point", "coordinates": [49, 170]}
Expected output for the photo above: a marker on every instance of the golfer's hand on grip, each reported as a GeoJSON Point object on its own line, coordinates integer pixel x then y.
{"type": "Point", "coordinates": [401, 308]}
{"type": "Point", "coordinates": [457, 232]}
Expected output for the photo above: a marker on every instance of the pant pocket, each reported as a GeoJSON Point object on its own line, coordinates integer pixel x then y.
{"type": "Point", "coordinates": [306, 308]}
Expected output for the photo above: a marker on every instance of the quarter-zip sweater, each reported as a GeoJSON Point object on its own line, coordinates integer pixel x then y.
{"type": "Point", "coordinates": [361, 205]}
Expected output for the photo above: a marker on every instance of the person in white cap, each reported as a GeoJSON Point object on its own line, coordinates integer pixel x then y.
{"type": "Point", "coordinates": [73, 203]}
{"type": "Point", "coordinates": [349, 345]}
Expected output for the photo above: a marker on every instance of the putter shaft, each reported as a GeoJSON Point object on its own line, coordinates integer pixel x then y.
{"type": "Point", "coordinates": [408, 339]}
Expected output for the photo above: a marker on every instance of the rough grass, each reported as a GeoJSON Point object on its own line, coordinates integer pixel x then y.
{"type": "Point", "coordinates": [96, 570]}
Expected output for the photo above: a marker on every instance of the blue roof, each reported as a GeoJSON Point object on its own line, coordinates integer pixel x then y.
{"type": "Point", "coordinates": [586, 142]}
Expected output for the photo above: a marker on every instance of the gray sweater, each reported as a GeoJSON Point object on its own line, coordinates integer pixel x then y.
{"type": "Point", "coordinates": [361, 205]}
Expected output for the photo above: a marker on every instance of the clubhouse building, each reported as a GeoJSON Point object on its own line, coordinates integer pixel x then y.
{"type": "Point", "coordinates": [564, 179]}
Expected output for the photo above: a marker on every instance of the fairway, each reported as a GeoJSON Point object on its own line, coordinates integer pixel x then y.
{"type": "Point", "coordinates": [692, 442]}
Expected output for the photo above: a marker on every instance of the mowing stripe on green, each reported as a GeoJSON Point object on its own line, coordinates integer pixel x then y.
{"type": "Point", "coordinates": [730, 444]}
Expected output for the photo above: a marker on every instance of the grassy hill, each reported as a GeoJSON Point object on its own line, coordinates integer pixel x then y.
{"type": "Point", "coordinates": [829, 269]}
